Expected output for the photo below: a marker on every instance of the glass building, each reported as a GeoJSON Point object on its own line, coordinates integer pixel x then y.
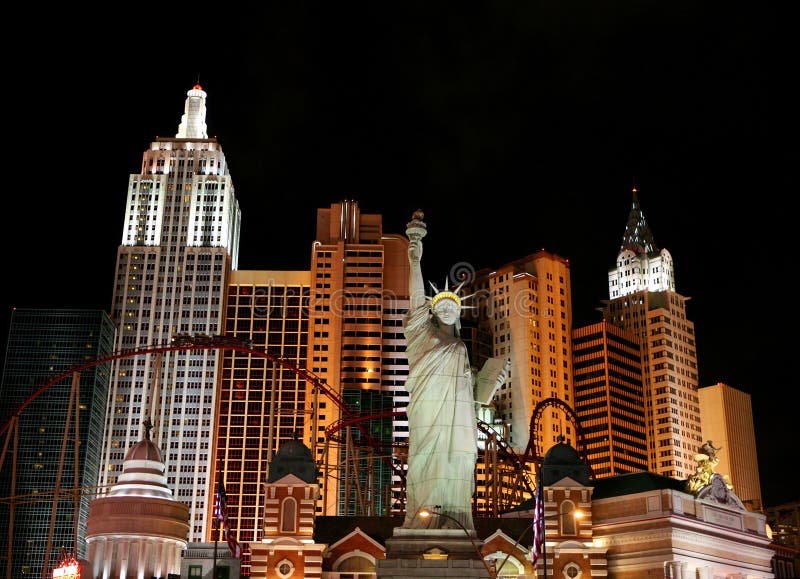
{"type": "Point", "coordinates": [44, 344]}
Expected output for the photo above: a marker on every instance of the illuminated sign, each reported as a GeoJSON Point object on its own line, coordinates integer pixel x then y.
{"type": "Point", "coordinates": [67, 570]}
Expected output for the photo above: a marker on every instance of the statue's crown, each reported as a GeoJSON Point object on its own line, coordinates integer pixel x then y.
{"type": "Point", "coordinates": [446, 294]}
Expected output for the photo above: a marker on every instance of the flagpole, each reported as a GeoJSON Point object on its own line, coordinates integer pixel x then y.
{"type": "Point", "coordinates": [540, 508]}
{"type": "Point", "coordinates": [544, 546]}
{"type": "Point", "coordinates": [216, 540]}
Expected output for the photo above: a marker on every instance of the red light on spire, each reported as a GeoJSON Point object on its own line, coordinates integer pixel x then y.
{"type": "Point", "coordinates": [633, 190]}
{"type": "Point", "coordinates": [197, 87]}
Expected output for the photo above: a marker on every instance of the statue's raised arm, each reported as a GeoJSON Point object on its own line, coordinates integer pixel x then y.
{"type": "Point", "coordinates": [416, 230]}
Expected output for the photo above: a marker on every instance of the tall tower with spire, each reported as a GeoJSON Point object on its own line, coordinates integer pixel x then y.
{"type": "Point", "coordinates": [640, 264]}
{"type": "Point", "coordinates": [180, 240]}
{"type": "Point", "coordinates": [644, 300]}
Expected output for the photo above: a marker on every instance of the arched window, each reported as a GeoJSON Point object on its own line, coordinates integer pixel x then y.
{"type": "Point", "coordinates": [567, 516]}
{"type": "Point", "coordinates": [288, 515]}
{"type": "Point", "coordinates": [356, 564]}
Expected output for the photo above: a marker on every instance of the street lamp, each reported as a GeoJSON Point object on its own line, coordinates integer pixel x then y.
{"type": "Point", "coordinates": [425, 513]}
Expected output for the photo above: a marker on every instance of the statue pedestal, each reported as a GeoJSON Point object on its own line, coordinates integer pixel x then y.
{"type": "Point", "coordinates": [412, 553]}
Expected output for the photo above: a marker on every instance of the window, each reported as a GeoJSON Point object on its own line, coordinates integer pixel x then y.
{"type": "Point", "coordinates": [567, 515]}
{"type": "Point", "coordinates": [195, 570]}
{"type": "Point", "coordinates": [288, 511]}
{"type": "Point", "coordinates": [284, 568]}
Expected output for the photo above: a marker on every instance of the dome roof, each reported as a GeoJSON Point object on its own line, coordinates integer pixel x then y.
{"type": "Point", "coordinates": [142, 471]}
{"type": "Point", "coordinates": [295, 458]}
{"type": "Point", "coordinates": [562, 461]}
{"type": "Point", "coordinates": [144, 450]}
{"type": "Point", "coordinates": [562, 454]}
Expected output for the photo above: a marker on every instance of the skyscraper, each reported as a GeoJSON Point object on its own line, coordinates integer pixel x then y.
{"type": "Point", "coordinates": [180, 241]}
{"type": "Point", "coordinates": [261, 404]}
{"type": "Point", "coordinates": [526, 305]}
{"type": "Point", "coordinates": [728, 423]}
{"type": "Point", "coordinates": [644, 300]}
{"type": "Point", "coordinates": [43, 343]}
{"type": "Point", "coordinates": [609, 398]}
{"type": "Point", "coordinates": [359, 294]}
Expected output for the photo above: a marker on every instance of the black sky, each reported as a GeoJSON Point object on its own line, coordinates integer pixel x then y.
{"type": "Point", "coordinates": [514, 126]}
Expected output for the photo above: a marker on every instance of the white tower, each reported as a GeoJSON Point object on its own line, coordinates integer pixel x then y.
{"type": "Point", "coordinates": [193, 120]}
{"type": "Point", "coordinates": [180, 240]}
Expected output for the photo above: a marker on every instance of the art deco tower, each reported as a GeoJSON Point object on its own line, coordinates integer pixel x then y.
{"type": "Point", "coordinates": [644, 301]}
{"type": "Point", "coordinates": [180, 240]}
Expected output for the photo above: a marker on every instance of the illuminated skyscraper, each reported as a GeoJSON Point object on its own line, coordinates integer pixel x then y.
{"type": "Point", "coordinates": [526, 305]}
{"type": "Point", "coordinates": [341, 323]}
{"type": "Point", "coordinates": [180, 240]}
{"type": "Point", "coordinates": [609, 399]}
{"type": "Point", "coordinates": [261, 404]}
{"type": "Point", "coordinates": [43, 343]}
{"type": "Point", "coordinates": [728, 423]}
{"type": "Point", "coordinates": [359, 294]}
{"type": "Point", "coordinates": [643, 300]}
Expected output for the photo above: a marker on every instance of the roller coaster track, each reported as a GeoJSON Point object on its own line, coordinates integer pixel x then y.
{"type": "Point", "coordinates": [10, 425]}
{"type": "Point", "coordinates": [507, 480]}
{"type": "Point", "coordinates": [532, 454]}
{"type": "Point", "coordinates": [214, 343]}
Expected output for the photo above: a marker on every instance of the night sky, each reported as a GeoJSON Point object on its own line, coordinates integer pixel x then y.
{"type": "Point", "coordinates": [514, 126]}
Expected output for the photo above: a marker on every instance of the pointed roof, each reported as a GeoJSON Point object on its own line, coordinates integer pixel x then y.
{"type": "Point", "coordinates": [637, 237]}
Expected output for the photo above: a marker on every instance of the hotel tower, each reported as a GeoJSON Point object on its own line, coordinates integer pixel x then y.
{"type": "Point", "coordinates": [359, 294]}
{"type": "Point", "coordinates": [180, 241]}
{"type": "Point", "coordinates": [526, 307]}
{"type": "Point", "coordinates": [643, 301]}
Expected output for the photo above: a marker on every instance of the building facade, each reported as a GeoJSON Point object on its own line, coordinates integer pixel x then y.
{"type": "Point", "coordinates": [609, 398]}
{"type": "Point", "coordinates": [179, 243]}
{"type": "Point", "coordinates": [359, 295]}
{"type": "Point", "coordinates": [526, 308]}
{"type": "Point", "coordinates": [43, 343]}
{"type": "Point", "coordinates": [728, 422]}
{"type": "Point", "coordinates": [644, 301]}
{"type": "Point", "coordinates": [784, 524]}
{"type": "Point", "coordinates": [261, 405]}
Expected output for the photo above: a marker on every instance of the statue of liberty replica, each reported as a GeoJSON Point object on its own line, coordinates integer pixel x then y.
{"type": "Point", "coordinates": [442, 433]}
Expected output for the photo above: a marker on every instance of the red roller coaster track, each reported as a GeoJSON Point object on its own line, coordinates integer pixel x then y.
{"type": "Point", "coordinates": [350, 417]}
{"type": "Point", "coordinates": [222, 343]}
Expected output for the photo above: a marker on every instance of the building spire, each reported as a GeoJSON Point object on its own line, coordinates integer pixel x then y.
{"type": "Point", "coordinates": [193, 121]}
{"type": "Point", "coordinates": [637, 237]}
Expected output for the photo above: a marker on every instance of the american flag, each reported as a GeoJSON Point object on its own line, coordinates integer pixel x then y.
{"type": "Point", "coordinates": [221, 514]}
{"type": "Point", "coordinates": [538, 523]}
